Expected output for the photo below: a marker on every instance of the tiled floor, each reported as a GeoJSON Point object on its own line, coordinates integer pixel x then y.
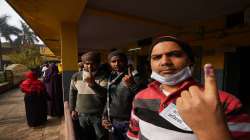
{"type": "Point", "coordinates": [13, 121]}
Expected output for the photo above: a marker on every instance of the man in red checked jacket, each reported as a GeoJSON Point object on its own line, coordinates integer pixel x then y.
{"type": "Point", "coordinates": [175, 107]}
{"type": "Point", "coordinates": [35, 99]}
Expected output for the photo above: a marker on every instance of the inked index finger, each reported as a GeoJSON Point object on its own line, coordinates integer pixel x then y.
{"type": "Point", "coordinates": [210, 81]}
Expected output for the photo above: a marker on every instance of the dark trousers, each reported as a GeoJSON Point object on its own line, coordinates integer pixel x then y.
{"type": "Point", "coordinates": [120, 129]}
{"type": "Point", "coordinates": [36, 109]}
{"type": "Point", "coordinates": [91, 128]}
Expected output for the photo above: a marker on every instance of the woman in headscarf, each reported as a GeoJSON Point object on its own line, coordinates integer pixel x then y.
{"type": "Point", "coordinates": [35, 99]}
{"type": "Point", "coordinates": [53, 83]}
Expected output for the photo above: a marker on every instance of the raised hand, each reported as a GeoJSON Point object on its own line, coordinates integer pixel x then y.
{"type": "Point", "coordinates": [128, 79]}
{"type": "Point", "coordinates": [90, 79]}
{"type": "Point", "coordinates": [106, 124]}
{"type": "Point", "coordinates": [201, 109]}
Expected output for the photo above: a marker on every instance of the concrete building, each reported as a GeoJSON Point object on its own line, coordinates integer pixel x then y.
{"type": "Point", "coordinates": [219, 31]}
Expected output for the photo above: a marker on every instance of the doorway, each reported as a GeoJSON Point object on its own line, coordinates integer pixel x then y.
{"type": "Point", "coordinates": [236, 73]}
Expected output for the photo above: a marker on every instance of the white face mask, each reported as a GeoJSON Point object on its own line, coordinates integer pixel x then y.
{"type": "Point", "coordinates": [173, 79]}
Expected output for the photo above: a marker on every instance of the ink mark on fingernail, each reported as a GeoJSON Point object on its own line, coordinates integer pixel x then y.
{"type": "Point", "coordinates": [209, 71]}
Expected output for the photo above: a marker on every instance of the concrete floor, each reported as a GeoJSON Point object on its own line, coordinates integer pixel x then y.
{"type": "Point", "coordinates": [13, 124]}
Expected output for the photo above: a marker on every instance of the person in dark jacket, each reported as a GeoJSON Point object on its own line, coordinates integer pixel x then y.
{"type": "Point", "coordinates": [34, 99]}
{"type": "Point", "coordinates": [122, 87]}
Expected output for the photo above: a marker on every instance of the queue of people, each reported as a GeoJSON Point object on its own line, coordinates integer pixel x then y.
{"type": "Point", "coordinates": [35, 99]}
{"type": "Point", "coordinates": [43, 97]}
{"type": "Point", "coordinates": [110, 101]}
{"type": "Point", "coordinates": [53, 84]}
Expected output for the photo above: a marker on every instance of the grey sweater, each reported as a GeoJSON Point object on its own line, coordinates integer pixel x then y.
{"type": "Point", "coordinates": [85, 99]}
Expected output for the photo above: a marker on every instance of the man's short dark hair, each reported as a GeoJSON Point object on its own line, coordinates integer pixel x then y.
{"type": "Point", "coordinates": [91, 56]}
{"type": "Point", "coordinates": [117, 53]}
{"type": "Point", "coordinates": [184, 45]}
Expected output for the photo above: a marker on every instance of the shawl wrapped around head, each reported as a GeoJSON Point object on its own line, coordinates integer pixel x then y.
{"type": "Point", "coordinates": [32, 84]}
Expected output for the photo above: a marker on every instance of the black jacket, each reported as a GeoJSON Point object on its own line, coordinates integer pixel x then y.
{"type": "Point", "coordinates": [121, 96]}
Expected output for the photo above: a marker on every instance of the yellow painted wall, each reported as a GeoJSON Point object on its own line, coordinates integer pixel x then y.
{"type": "Point", "coordinates": [214, 47]}
{"type": "Point", "coordinates": [46, 51]}
{"type": "Point", "coordinates": [218, 39]}
{"type": "Point", "coordinates": [69, 49]}
{"type": "Point", "coordinates": [216, 59]}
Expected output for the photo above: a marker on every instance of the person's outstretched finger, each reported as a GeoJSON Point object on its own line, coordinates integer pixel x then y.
{"type": "Point", "coordinates": [210, 81]}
